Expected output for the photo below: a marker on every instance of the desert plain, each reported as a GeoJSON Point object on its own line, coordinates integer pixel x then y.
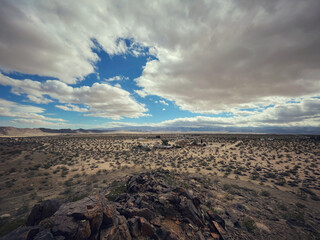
{"type": "Point", "coordinates": [264, 186]}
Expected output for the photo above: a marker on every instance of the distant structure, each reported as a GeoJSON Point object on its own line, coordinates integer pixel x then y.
{"type": "Point", "coordinates": [190, 142]}
{"type": "Point", "coordinates": [160, 146]}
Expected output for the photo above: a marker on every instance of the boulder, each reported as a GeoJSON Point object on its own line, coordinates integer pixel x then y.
{"type": "Point", "coordinates": [41, 211]}
{"type": "Point", "coordinates": [79, 219]}
{"type": "Point", "coordinates": [22, 233]}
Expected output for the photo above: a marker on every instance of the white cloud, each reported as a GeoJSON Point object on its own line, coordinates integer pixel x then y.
{"type": "Point", "coordinates": [37, 123]}
{"type": "Point", "coordinates": [163, 102]}
{"type": "Point", "coordinates": [305, 113]}
{"type": "Point", "coordinates": [101, 100]}
{"type": "Point", "coordinates": [141, 93]}
{"type": "Point", "coordinates": [72, 108]}
{"type": "Point", "coordinates": [57, 38]}
{"type": "Point", "coordinates": [26, 113]}
{"type": "Point", "coordinates": [163, 109]}
{"type": "Point", "coordinates": [116, 78]}
{"type": "Point", "coordinates": [212, 56]}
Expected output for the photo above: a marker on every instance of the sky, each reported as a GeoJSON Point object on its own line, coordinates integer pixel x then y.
{"type": "Point", "coordinates": [220, 65]}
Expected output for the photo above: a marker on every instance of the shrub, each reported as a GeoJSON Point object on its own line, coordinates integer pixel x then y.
{"type": "Point", "coordinates": [265, 193]}
{"type": "Point", "coordinates": [300, 205]}
{"type": "Point", "coordinates": [248, 224]}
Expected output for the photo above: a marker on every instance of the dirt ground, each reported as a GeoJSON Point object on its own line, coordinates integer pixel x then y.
{"type": "Point", "coordinates": [281, 169]}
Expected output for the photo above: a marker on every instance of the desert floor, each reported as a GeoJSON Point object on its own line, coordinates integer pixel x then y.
{"type": "Point", "coordinates": [282, 171]}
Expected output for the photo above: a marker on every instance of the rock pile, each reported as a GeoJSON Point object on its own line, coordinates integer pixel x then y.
{"type": "Point", "coordinates": [149, 209]}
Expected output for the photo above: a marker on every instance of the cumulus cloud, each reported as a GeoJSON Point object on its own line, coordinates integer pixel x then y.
{"type": "Point", "coordinates": [72, 108]}
{"type": "Point", "coordinates": [305, 113]}
{"type": "Point", "coordinates": [26, 113]}
{"type": "Point", "coordinates": [238, 53]}
{"type": "Point", "coordinates": [37, 122]}
{"type": "Point", "coordinates": [101, 100]}
{"type": "Point", "coordinates": [212, 56]}
{"type": "Point", "coordinates": [57, 38]}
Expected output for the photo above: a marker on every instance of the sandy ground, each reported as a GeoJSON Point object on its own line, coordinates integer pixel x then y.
{"type": "Point", "coordinates": [70, 166]}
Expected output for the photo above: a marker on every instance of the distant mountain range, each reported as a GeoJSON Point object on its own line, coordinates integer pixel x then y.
{"type": "Point", "coordinates": [12, 131]}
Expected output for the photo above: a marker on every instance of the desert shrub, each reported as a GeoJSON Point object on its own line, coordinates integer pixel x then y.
{"type": "Point", "coordinates": [9, 184]}
{"type": "Point", "coordinates": [11, 170]}
{"type": "Point", "coordinates": [254, 175]}
{"type": "Point", "coordinates": [281, 182]}
{"type": "Point", "coordinates": [302, 195]}
{"type": "Point", "coordinates": [315, 197]}
{"type": "Point", "coordinates": [226, 187]}
{"type": "Point", "coordinates": [300, 205]}
{"type": "Point", "coordinates": [68, 183]}
{"type": "Point", "coordinates": [116, 189]}
{"type": "Point", "coordinates": [270, 175]}
{"type": "Point", "coordinates": [170, 179]}
{"type": "Point", "coordinates": [283, 207]}
{"type": "Point", "coordinates": [23, 209]}
{"type": "Point", "coordinates": [64, 171]}
{"type": "Point", "coordinates": [295, 217]}
{"type": "Point", "coordinates": [265, 193]}
{"type": "Point", "coordinates": [248, 224]}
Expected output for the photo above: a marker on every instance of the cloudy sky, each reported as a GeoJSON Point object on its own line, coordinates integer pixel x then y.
{"type": "Point", "coordinates": [221, 64]}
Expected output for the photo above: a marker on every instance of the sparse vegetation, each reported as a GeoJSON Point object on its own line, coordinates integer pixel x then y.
{"type": "Point", "coordinates": [235, 170]}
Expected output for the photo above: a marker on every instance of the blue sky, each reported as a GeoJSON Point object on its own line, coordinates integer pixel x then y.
{"type": "Point", "coordinates": [127, 67]}
{"type": "Point", "coordinates": [212, 66]}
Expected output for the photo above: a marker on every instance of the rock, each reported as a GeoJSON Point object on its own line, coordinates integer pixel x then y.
{"type": "Point", "coordinates": [200, 235]}
{"type": "Point", "coordinates": [217, 218]}
{"type": "Point", "coordinates": [79, 219]}
{"type": "Point", "coordinates": [22, 233]}
{"type": "Point", "coordinates": [6, 215]}
{"type": "Point", "coordinates": [59, 238]}
{"type": "Point", "coordinates": [84, 231]}
{"type": "Point", "coordinates": [189, 210]}
{"type": "Point", "coordinates": [123, 228]}
{"type": "Point", "coordinates": [146, 228]}
{"type": "Point", "coordinates": [41, 211]}
{"type": "Point", "coordinates": [65, 226]}
{"type": "Point", "coordinates": [183, 192]}
{"type": "Point", "coordinates": [44, 235]}
{"type": "Point", "coordinates": [119, 231]}
{"type": "Point", "coordinates": [146, 213]}
{"type": "Point", "coordinates": [109, 234]}
{"type": "Point", "coordinates": [134, 226]}
{"type": "Point", "coordinates": [196, 202]}
{"type": "Point", "coordinates": [150, 209]}
{"type": "Point", "coordinates": [156, 222]}
{"type": "Point", "coordinates": [109, 216]}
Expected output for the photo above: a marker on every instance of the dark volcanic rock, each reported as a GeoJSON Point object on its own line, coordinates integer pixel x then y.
{"type": "Point", "coordinates": [22, 233]}
{"type": "Point", "coordinates": [41, 211]}
{"type": "Point", "coordinates": [150, 209]}
{"type": "Point", "coordinates": [80, 219]}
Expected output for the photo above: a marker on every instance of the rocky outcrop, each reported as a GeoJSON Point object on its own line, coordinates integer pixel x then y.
{"type": "Point", "coordinates": [149, 209]}
{"type": "Point", "coordinates": [42, 211]}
